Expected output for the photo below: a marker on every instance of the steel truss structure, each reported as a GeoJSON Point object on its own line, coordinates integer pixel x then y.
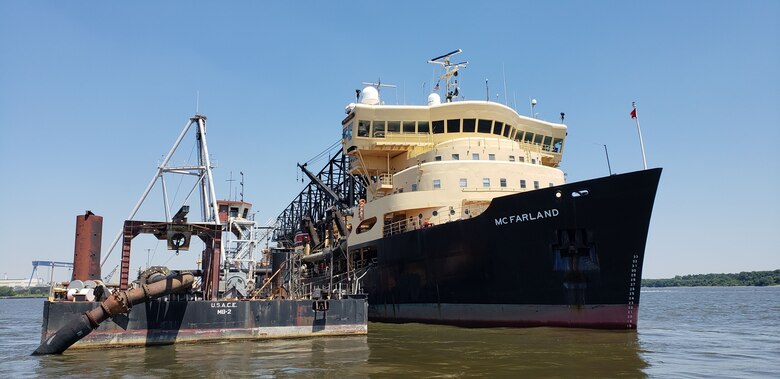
{"type": "Point", "coordinates": [313, 202]}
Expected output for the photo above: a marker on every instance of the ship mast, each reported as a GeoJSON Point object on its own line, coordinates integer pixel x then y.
{"type": "Point", "coordinates": [450, 73]}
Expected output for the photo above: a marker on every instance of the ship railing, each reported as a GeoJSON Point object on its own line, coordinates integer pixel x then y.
{"type": "Point", "coordinates": [338, 287]}
{"type": "Point", "coordinates": [414, 143]}
{"type": "Point", "coordinates": [406, 139]}
{"type": "Point", "coordinates": [453, 213]}
{"type": "Point", "coordinates": [494, 189]}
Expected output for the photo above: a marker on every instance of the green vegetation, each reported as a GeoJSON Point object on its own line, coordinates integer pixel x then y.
{"type": "Point", "coordinates": [27, 292]}
{"type": "Point", "coordinates": [752, 278]}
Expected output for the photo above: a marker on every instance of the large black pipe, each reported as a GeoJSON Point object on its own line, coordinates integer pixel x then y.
{"type": "Point", "coordinates": [117, 303]}
{"type": "Point", "coordinates": [279, 259]}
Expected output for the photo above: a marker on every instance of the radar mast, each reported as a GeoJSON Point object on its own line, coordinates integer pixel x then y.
{"type": "Point", "coordinates": [450, 72]}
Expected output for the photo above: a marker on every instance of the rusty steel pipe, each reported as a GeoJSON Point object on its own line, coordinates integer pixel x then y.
{"type": "Point", "coordinates": [86, 254]}
{"type": "Point", "coordinates": [117, 303]}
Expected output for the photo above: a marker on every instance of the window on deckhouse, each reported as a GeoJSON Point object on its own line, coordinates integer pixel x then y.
{"type": "Point", "coordinates": [497, 127]}
{"type": "Point", "coordinates": [507, 130]}
{"type": "Point", "coordinates": [469, 125]}
{"type": "Point", "coordinates": [453, 126]}
{"type": "Point", "coordinates": [379, 129]}
{"type": "Point", "coordinates": [438, 126]}
{"type": "Point", "coordinates": [483, 126]}
{"type": "Point", "coordinates": [363, 127]}
{"type": "Point", "coordinates": [394, 126]}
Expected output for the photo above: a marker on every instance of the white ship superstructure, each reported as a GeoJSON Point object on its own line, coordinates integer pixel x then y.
{"type": "Point", "coordinates": [442, 162]}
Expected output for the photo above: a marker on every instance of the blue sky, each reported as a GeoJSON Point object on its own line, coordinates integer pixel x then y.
{"type": "Point", "coordinates": [93, 94]}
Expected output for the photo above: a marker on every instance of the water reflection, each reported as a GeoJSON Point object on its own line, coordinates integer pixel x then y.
{"type": "Point", "coordinates": [685, 332]}
{"type": "Point", "coordinates": [414, 350]}
{"type": "Point", "coordinates": [397, 351]}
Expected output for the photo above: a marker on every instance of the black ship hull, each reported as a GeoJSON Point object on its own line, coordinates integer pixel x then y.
{"type": "Point", "coordinates": [569, 255]}
{"type": "Point", "coordinates": [161, 322]}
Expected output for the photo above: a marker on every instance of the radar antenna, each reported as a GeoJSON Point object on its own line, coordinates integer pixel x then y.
{"type": "Point", "coordinates": [450, 72]}
{"type": "Point", "coordinates": [378, 84]}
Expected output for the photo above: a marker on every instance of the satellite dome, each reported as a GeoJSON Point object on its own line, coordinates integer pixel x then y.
{"type": "Point", "coordinates": [434, 99]}
{"type": "Point", "coordinates": [370, 96]}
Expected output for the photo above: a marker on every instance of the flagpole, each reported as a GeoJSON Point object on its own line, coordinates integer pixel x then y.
{"type": "Point", "coordinates": [639, 130]}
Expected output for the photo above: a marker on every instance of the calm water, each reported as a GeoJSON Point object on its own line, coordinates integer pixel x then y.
{"type": "Point", "coordinates": [683, 332]}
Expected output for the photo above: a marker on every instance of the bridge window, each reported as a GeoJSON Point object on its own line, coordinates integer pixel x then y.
{"type": "Point", "coordinates": [379, 129]}
{"type": "Point", "coordinates": [486, 182]}
{"type": "Point", "coordinates": [507, 130]}
{"type": "Point", "coordinates": [538, 139]}
{"type": "Point", "coordinates": [557, 145]}
{"type": "Point", "coordinates": [438, 126]}
{"type": "Point", "coordinates": [408, 126]}
{"type": "Point", "coordinates": [529, 137]}
{"type": "Point", "coordinates": [423, 127]}
{"type": "Point", "coordinates": [497, 127]}
{"type": "Point", "coordinates": [483, 126]}
{"type": "Point", "coordinates": [469, 125]}
{"type": "Point", "coordinates": [519, 136]}
{"type": "Point", "coordinates": [436, 183]}
{"type": "Point", "coordinates": [547, 142]}
{"type": "Point", "coordinates": [453, 126]}
{"type": "Point", "coordinates": [394, 126]}
{"type": "Point", "coordinates": [363, 127]}
{"type": "Point", "coordinates": [347, 132]}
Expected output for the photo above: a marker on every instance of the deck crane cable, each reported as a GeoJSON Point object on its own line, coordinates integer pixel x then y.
{"type": "Point", "coordinates": [326, 151]}
{"type": "Point", "coordinates": [181, 177]}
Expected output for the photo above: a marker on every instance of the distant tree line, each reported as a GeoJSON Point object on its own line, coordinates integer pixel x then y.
{"type": "Point", "coordinates": [752, 278]}
{"type": "Point", "coordinates": [23, 292]}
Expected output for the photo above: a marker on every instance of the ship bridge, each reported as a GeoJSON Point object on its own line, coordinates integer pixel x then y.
{"type": "Point", "coordinates": [381, 140]}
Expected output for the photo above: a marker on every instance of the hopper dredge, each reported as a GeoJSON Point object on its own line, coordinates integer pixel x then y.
{"type": "Point", "coordinates": [234, 294]}
{"type": "Point", "coordinates": [457, 212]}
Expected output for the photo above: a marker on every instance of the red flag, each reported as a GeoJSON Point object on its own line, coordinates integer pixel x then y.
{"type": "Point", "coordinates": [633, 111]}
